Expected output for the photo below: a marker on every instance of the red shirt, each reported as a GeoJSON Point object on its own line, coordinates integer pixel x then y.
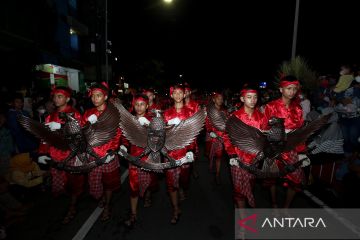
{"type": "Point", "coordinates": [210, 128]}
{"type": "Point", "coordinates": [56, 154]}
{"type": "Point", "coordinates": [111, 144]}
{"type": "Point", "coordinates": [193, 106]}
{"type": "Point", "coordinates": [293, 115]}
{"type": "Point", "coordinates": [182, 115]}
{"type": "Point", "coordinates": [135, 150]}
{"type": "Point", "coordinates": [256, 120]}
{"type": "Point", "coordinates": [154, 106]}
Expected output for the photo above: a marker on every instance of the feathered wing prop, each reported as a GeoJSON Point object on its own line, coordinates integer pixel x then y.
{"type": "Point", "coordinates": [217, 118]}
{"type": "Point", "coordinates": [131, 128]}
{"type": "Point", "coordinates": [53, 138]}
{"type": "Point", "coordinates": [93, 135]}
{"type": "Point", "coordinates": [183, 134]}
{"type": "Point", "coordinates": [300, 135]}
{"type": "Point", "coordinates": [245, 137]}
{"type": "Point", "coordinates": [104, 129]}
{"type": "Point", "coordinates": [176, 137]}
{"type": "Point", "coordinates": [252, 140]}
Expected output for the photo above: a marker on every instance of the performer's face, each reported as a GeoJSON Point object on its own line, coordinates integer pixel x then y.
{"type": "Point", "coordinates": [140, 108]}
{"type": "Point", "coordinates": [289, 92]}
{"type": "Point", "coordinates": [187, 93]}
{"type": "Point", "coordinates": [218, 100]}
{"type": "Point", "coordinates": [18, 103]}
{"type": "Point", "coordinates": [98, 98]}
{"type": "Point", "coordinates": [178, 95]}
{"type": "Point", "coordinates": [151, 96]}
{"type": "Point", "coordinates": [249, 100]}
{"type": "Point", "coordinates": [60, 99]}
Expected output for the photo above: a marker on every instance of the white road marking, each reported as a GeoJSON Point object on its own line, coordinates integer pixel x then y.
{"type": "Point", "coordinates": [85, 228]}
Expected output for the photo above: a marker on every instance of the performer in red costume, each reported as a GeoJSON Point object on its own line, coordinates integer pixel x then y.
{"type": "Point", "coordinates": [141, 182]}
{"type": "Point", "coordinates": [190, 103]}
{"type": "Point", "coordinates": [150, 93]}
{"type": "Point", "coordinates": [104, 179]}
{"type": "Point", "coordinates": [214, 144]}
{"type": "Point", "coordinates": [287, 107]}
{"type": "Point", "coordinates": [177, 177]}
{"type": "Point", "coordinates": [62, 181]}
{"type": "Point", "coordinates": [243, 181]}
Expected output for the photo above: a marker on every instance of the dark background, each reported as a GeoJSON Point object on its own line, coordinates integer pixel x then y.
{"type": "Point", "coordinates": [220, 43]}
{"type": "Point", "coordinates": [230, 41]}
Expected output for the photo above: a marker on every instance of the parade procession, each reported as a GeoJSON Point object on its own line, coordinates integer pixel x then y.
{"type": "Point", "coordinates": [124, 120]}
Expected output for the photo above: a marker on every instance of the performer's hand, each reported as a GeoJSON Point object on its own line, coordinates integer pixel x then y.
{"type": "Point", "coordinates": [109, 158]}
{"type": "Point", "coordinates": [143, 121]}
{"type": "Point", "coordinates": [122, 147]}
{"type": "Point", "coordinates": [92, 118]}
{"type": "Point", "coordinates": [53, 125]}
{"type": "Point", "coordinates": [213, 135]}
{"type": "Point", "coordinates": [234, 162]}
{"type": "Point", "coordinates": [43, 159]}
{"type": "Point", "coordinates": [305, 160]}
{"type": "Point", "coordinates": [174, 121]}
{"type": "Point", "coordinates": [190, 156]}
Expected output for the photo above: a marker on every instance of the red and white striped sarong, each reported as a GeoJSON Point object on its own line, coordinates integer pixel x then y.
{"type": "Point", "coordinates": [64, 182]}
{"type": "Point", "coordinates": [216, 151]}
{"type": "Point", "coordinates": [294, 179]}
{"type": "Point", "coordinates": [105, 176]}
{"type": "Point", "coordinates": [177, 176]}
{"type": "Point", "coordinates": [140, 180]}
{"type": "Point", "coordinates": [243, 183]}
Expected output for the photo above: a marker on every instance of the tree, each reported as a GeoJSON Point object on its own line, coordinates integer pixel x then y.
{"type": "Point", "coordinates": [299, 68]}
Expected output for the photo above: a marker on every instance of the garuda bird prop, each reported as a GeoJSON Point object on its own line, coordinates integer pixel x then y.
{"type": "Point", "coordinates": [266, 146]}
{"type": "Point", "coordinates": [157, 139]}
{"type": "Point", "coordinates": [80, 141]}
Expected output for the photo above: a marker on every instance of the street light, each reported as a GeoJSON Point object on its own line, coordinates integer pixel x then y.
{"type": "Point", "coordinates": [106, 44]}
{"type": "Point", "coordinates": [168, 1]}
{"type": "Point", "coordinates": [296, 20]}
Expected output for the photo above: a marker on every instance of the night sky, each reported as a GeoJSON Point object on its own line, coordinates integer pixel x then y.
{"type": "Point", "coordinates": [233, 41]}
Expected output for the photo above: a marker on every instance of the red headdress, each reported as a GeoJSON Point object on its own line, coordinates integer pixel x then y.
{"type": "Point", "coordinates": [288, 80]}
{"type": "Point", "coordinates": [66, 91]}
{"type": "Point", "coordinates": [102, 87]}
{"type": "Point", "coordinates": [177, 86]}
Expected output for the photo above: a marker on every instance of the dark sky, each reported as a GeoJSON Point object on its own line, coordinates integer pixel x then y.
{"type": "Point", "coordinates": [233, 41]}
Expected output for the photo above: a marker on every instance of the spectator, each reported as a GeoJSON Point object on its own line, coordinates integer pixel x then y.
{"type": "Point", "coordinates": [6, 145]}
{"type": "Point", "coordinates": [24, 172]}
{"type": "Point", "coordinates": [24, 141]}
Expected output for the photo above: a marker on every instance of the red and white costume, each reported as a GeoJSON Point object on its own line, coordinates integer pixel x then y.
{"type": "Point", "coordinates": [214, 147]}
{"type": "Point", "coordinates": [154, 106]}
{"type": "Point", "coordinates": [140, 180]}
{"type": "Point", "coordinates": [293, 119]}
{"type": "Point", "coordinates": [243, 181]}
{"type": "Point", "coordinates": [62, 181]}
{"type": "Point", "coordinates": [193, 106]}
{"type": "Point", "coordinates": [106, 176]}
{"type": "Point", "coordinates": [179, 175]}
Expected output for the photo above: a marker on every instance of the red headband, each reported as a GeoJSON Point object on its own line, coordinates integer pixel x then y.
{"type": "Point", "coordinates": [287, 83]}
{"type": "Point", "coordinates": [92, 90]}
{"type": "Point", "coordinates": [172, 89]}
{"type": "Point", "coordinates": [61, 91]}
{"type": "Point", "coordinates": [105, 92]}
{"type": "Point", "coordinates": [140, 99]}
{"type": "Point", "coordinates": [245, 91]}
